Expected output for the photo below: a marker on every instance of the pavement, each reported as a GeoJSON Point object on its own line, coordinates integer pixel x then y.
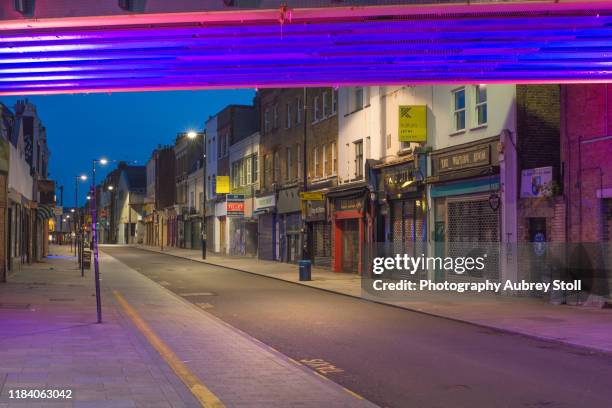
{"type": "Point", "coordinates": [577, 326]}
{"type": "Point", "coordinates": [153, 349]}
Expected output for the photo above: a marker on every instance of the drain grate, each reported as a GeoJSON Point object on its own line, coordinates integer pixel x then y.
{"type": "Point", "coordinates": [14, 305]}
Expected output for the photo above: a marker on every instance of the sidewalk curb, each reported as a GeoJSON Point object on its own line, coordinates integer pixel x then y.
{"type": "Point", "coordinates": [589, 349]}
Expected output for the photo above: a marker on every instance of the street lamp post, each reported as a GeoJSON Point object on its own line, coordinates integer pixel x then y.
{"type": "Point", "coordinates": [94, 236]}
{"type": "Point", "coordinates": [79, 222]}
{"type": "Point", "coordinates": [204, 222]}
{"type": "Point", "coordinates": [192, 135]}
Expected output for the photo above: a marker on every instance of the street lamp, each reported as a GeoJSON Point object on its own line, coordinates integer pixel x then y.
{"type": "Point", "coordinates": [94, 234]}
{"type": "Point", "coordinates": [110, 188]}
{"type": "Point", "coordinates": [192, 134]}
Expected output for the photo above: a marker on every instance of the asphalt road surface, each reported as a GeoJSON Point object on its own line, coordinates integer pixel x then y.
{"type": "Point", "coordinates": [393, 357]}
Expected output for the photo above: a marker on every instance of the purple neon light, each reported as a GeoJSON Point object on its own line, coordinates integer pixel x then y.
{"type": "Point", "coordinates": [320, 47]}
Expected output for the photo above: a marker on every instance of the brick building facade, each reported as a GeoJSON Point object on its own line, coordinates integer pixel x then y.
{"type": "Point", "coordinates": [287, 132]}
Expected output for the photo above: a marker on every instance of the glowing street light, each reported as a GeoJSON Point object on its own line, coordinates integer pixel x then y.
{"type": "Point", "coordinates": [83, 177]}
{"type": "Point", "coordinates": [110, 188]}
{"type": "Point", "coordinates": [103, 161]}
{"type": "Point", "coordinates": [192, 134]}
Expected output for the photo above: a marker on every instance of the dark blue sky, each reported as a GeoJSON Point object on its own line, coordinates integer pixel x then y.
{"type": "Point", "coordinates": [120, 126]}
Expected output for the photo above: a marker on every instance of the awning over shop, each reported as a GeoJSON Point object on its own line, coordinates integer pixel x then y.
{"type": "Point", "coordinates": [44, 212]}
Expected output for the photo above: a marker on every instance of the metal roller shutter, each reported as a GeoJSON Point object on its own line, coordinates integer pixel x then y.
{"type": "Point", "coordinates": [322, 243]}
{"type": "Point", "coordinates": [473, 230]}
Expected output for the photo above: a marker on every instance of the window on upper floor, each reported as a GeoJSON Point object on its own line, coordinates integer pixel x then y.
{"type": "Point", "coordinates": [326, 112]}
{"type": "Point", "coordinates": [288, 118]}
{"type": "Point", "coordinates": [298, 154]}
{"type": "Point", "coordinates": [358, 159]}
{"type": "Point", "coordinates": [316, 111]}
{"type": "Point", "coordinates": [316, 162]}
{"type": "Point", "coordinates": [288, 164]}
{"type": "Point", "coordinates": [334, 103]}
{"type": "Point", "coordinates": [266, 120]}
{"type": "Point", "coordinates": [358, 98]}
{"type": "Point", "coordinates": [248, 164]}
{"type": "Point", "coordinates": [298, 110]}
{"type": "Point", "coordinates": [326, 169]}
{"type": "Point", "coordinates": [266, 171]}
{"type": "Point", "coordinates": [458, 101]}
{"type": "Point", "coordinates": [334, 159]}
{"type": "Point", "coordinates": [480, 105]}
{"type": "Point", "coordinates": [275, 116]}
{"type": "Point", "coordinates": [276, 175]}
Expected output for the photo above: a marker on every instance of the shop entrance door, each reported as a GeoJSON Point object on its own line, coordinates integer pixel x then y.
{"type": "Point", "coordinates": [350, 245]}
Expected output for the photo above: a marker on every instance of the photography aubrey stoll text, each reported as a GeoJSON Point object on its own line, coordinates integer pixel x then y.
{"type": "Point", "coordinates": [484, 286]}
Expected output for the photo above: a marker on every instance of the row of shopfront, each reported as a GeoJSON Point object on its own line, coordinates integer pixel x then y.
{"type": "Point", "coordinates": [449, 198]}
{"type": "Point", "coordinates": [402, 207]}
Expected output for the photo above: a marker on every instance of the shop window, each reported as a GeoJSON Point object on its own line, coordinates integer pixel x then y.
{"type": "Point", "coordinates": [459, 109]}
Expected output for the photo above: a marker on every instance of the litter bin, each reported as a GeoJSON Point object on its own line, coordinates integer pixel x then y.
{"type": "Point", "coordinates": [305, 265]}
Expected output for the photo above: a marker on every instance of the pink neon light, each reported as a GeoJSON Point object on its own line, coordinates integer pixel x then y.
{"type": "Point", "coordinates": [311, 14]}
{"type": "Point", "coordinates": [294, 85]}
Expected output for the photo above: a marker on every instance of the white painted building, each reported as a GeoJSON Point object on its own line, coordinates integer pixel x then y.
{"type": "Point", "coordinates": [244, 180]}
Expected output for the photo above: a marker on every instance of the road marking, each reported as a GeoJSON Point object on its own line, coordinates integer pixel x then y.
{"type": "Point", "coordinates": [198, 389]}
{"type": "Point", "coordinates": [353, 393]}
{"type": "Point", "coordinates": [197, 294]}
{"type": "Point", "coordinates": [164, 283]}
{"type": "Point", "coordinates": [204, 305]}
{"type": "Point", "coordinates": [321, 366]}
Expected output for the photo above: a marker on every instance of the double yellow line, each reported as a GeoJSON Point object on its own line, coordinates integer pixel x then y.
{"type": "Point", "coordinates": [203, 394]}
